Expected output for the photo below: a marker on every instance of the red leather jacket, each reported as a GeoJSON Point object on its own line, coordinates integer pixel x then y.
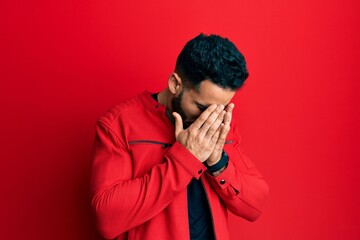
{"type": "Point", "coordinates": [140, 175]}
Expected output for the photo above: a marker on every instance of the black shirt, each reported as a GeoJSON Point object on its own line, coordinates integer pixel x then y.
{"type": "Point", "coordinates": [200, 219]}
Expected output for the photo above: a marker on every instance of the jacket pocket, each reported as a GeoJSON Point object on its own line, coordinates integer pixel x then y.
{"type": "Point", "coordinates": [146, 154]}
{"type": "Point", "coordinates": [164, 145]}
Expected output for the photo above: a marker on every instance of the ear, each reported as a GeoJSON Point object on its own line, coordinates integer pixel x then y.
{"type": "Point", "coordinates": [175, 83]}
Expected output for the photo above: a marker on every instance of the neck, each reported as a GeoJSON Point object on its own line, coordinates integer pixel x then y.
{"type": "Point", "coordinates": [165, 98]}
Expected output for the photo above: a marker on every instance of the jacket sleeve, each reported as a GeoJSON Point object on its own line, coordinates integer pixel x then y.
{"type": "Point", "coordinates": [122, 202]}
{"type": "Point", "coordinates": [240, 186]}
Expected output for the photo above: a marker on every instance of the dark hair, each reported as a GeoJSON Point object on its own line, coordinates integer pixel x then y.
{"type": "Point", "coordinates": [214, 58]}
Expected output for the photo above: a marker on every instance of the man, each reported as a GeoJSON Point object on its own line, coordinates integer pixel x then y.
{"type": "Point", "coordinates": [168, 165]}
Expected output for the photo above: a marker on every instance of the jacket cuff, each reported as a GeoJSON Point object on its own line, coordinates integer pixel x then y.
{"type": "Point", "coordinates": [224, 178]}
{"type": "Point", "coordinates": [181, 155]}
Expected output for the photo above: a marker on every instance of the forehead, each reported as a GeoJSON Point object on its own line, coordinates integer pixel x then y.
{"type": "Point", "coordinates": [209, 93]}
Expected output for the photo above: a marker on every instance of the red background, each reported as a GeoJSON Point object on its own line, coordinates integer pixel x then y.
{"type": "Point", "coordinates": [64, 63]}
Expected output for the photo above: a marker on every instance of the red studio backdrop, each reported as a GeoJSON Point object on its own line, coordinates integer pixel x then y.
{"type": "Point", "coordinates": [64, 63]}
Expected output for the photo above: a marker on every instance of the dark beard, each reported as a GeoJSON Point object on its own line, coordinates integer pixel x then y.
{"type": "Point", "coordinates": [176, 104]}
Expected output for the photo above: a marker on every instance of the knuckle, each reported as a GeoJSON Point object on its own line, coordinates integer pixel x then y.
{"type": "Point", "coordinates": [215, 136]}
{"type": "Point", "coordinates": [211, 118]}
{"type": "Point", "coordinates": [202, 117]}
{"type": "Point", "coordinates": [214, 127]}
{"type": "Point", "coordinates": [192, 134]}
{"type": "Point", "coordinates": [206, 125]}
{"type": "Point", "coordinates": [220, 116]}
{"type": "Point", "coordinates": [211, 132]}
{"type": "Point", "coordinates": [218, 122]}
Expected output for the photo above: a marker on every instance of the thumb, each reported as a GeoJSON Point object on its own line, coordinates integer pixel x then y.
{"type": "Point", "coordinates": [178, 123]}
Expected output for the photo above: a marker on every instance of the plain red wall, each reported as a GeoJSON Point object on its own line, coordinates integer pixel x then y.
{"type": "Point", "coordinates": [64, 63]}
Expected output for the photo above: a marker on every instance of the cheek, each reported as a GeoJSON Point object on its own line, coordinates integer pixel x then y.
{"type": "Point", "coordinates": [191, 111]}
{"type": "Point", "coordinates": [189, 108]}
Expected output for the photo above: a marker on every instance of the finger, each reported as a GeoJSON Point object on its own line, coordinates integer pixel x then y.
{"type": "Point", "coordinates": [214, 118]}
{"type": "Point", "coordinates": [230, 108]}
{"type": "Point", "coordinates": [227, 118]}
{"type": "Point", "coordinates": [224, 128]}
{"type": "Point", "coordinates": [203, 117]}
{"type": "Point", "coordinates": [228, 115]}
{"type": "Point", "coordinates": [220, 141]}
{"type": "Point", "coordinates": [215, 137]}
{"type": "Point", "coordinates": [178, 123]}
{"type": "Point", "coordinates": [223, 134]}
{"type": "Point", "coordinates": [214, 127]}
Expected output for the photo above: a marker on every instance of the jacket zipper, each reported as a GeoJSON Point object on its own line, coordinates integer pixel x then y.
{"type": "Point", "coordinates": [164, 145]}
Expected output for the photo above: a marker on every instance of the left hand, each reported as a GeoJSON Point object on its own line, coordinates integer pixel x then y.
{"type": "Point", "coordinates": [225, 128]}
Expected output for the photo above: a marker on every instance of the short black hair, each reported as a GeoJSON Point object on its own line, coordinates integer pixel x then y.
{"type": "Point", "coordinates": [214, 58]}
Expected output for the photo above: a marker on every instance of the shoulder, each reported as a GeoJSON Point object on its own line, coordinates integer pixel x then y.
{"type": "Point", "coordinates": [126, 109]}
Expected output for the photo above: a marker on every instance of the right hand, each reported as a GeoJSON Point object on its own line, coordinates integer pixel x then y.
{"type": "Point", "coordinates": [201, 136]}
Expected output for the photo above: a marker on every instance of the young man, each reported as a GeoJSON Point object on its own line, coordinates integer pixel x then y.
{"type": "Point", "coordinates": [169, 165]}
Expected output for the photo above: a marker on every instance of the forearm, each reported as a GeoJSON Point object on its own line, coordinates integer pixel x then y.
{"type": "Point", "coordinates": [123, 204]}
{"type": "Point", "coordinates": [242, 189]}
{"type": "Point", "coordinates": [216, 168]}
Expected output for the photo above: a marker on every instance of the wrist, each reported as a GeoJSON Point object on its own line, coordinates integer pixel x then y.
{"type": "Point", "coordinates": [219, 165]}
{"type": "Point", "coordinates": [213, 160]}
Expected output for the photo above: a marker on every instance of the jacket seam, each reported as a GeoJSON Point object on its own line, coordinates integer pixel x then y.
{"type": "Point", "coordinates": [112, 132]}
